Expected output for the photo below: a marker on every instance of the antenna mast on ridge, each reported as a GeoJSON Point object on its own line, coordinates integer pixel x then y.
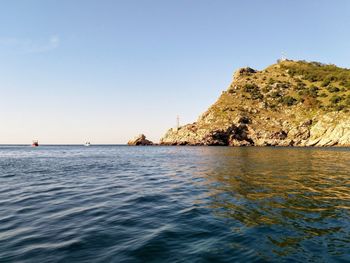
{"type": "Point", "coordinates": [177, 122]}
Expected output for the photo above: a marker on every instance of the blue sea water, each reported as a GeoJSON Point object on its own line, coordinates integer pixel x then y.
{"type": "Point", "coordinates": [174, 204]}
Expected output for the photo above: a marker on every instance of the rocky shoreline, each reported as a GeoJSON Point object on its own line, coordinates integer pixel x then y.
{"type": "Point", "coordinates": [323, 132]}
{"type": "Point", "coordinates": [329, 130]}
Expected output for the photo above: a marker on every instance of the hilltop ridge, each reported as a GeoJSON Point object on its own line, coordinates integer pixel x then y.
{"type": "Point", "coordinates": [290, 103]}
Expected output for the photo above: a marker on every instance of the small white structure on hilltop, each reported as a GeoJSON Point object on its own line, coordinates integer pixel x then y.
{"type": "Point", "coordinates": [283, 58]}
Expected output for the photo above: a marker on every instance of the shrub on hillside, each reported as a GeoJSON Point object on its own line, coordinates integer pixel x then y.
{"type": "Point", "coordinates": [288, 100]}
{"type": "Point", "coordinates": [257, 95]}
{"type": "Point", "coordinates": [283, 85]}
{"type": "Point", "coordinates": [347, 101]}
{"type": "Point", "coordinates": [271, 81]}
{"type": "Point", "coordinates": [339, 107]}
{"type": "Point", "coordinates": [313, 91]}
{"type": "Point", "coordinates": [326, 82]}
{"type": "Point", "coordinates": [318, 72]}
{"type": "Point", "coordinates": [266, 89]}
{"type": "Point", "coordinates": [308, 92]}
{"type": "Point", "coordinates": [300, 86]}
{"type": "Point", "coordinates": [275, 94]}
{"type": "Point", "coordinates": [333, 89]}
{"type": "Point", "coordinates": [254, 90]}
{"type": "Point", "coordinates": [249, 87]}
{"type": "Point", "coordinates": [310, 77]}
{"type": "Point", "coordinates": [345, 83]}
{"type": "Point", "coordinates": [335, 99]}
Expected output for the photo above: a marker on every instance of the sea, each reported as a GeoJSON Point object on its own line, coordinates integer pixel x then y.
{"type": "Point", "coordinates": [174, 204]}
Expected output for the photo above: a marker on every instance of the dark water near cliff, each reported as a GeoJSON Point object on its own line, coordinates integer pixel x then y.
{"type": "Point", "coordinates": [174, 204]}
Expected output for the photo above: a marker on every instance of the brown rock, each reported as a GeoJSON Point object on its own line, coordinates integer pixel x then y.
{"type": "Point", "coordinates": [140, 140]}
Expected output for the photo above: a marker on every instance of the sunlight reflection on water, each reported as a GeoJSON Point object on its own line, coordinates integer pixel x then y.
{"type": "Point", "coordinates": [174, 204]}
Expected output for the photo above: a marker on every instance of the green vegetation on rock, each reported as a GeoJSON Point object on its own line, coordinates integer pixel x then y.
{"type": "Point", "coordinates": [278, 102]}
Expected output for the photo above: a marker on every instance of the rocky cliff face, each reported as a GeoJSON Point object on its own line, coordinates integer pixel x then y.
{"type": "Point", "coordinates": [287, 104]}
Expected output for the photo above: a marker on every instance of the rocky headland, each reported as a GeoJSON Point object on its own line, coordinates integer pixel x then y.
{"type": "Point", "coordinates": [290, 103]}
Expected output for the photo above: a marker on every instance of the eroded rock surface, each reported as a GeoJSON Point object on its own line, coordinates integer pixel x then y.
{"type": "Point", "coordinates": [140, 140]}
{"type": "Point", "coordinates": [256, 112]}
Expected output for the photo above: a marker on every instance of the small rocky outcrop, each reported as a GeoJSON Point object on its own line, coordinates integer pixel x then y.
{"type": "Point", "coordinates": [140, 140]}
{"type": "Point", "coordinates": [247, 71]}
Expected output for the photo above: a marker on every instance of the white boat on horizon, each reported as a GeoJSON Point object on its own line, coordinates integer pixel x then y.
{"type": "Point", "coordinates": [87, 144]}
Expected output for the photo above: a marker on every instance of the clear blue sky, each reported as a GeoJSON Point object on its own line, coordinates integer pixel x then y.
{"type": "Point", "coordinates": [106, 71]}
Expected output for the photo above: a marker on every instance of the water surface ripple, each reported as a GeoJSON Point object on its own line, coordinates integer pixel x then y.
{"type": "Point", "coordinates": [174, 204]}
